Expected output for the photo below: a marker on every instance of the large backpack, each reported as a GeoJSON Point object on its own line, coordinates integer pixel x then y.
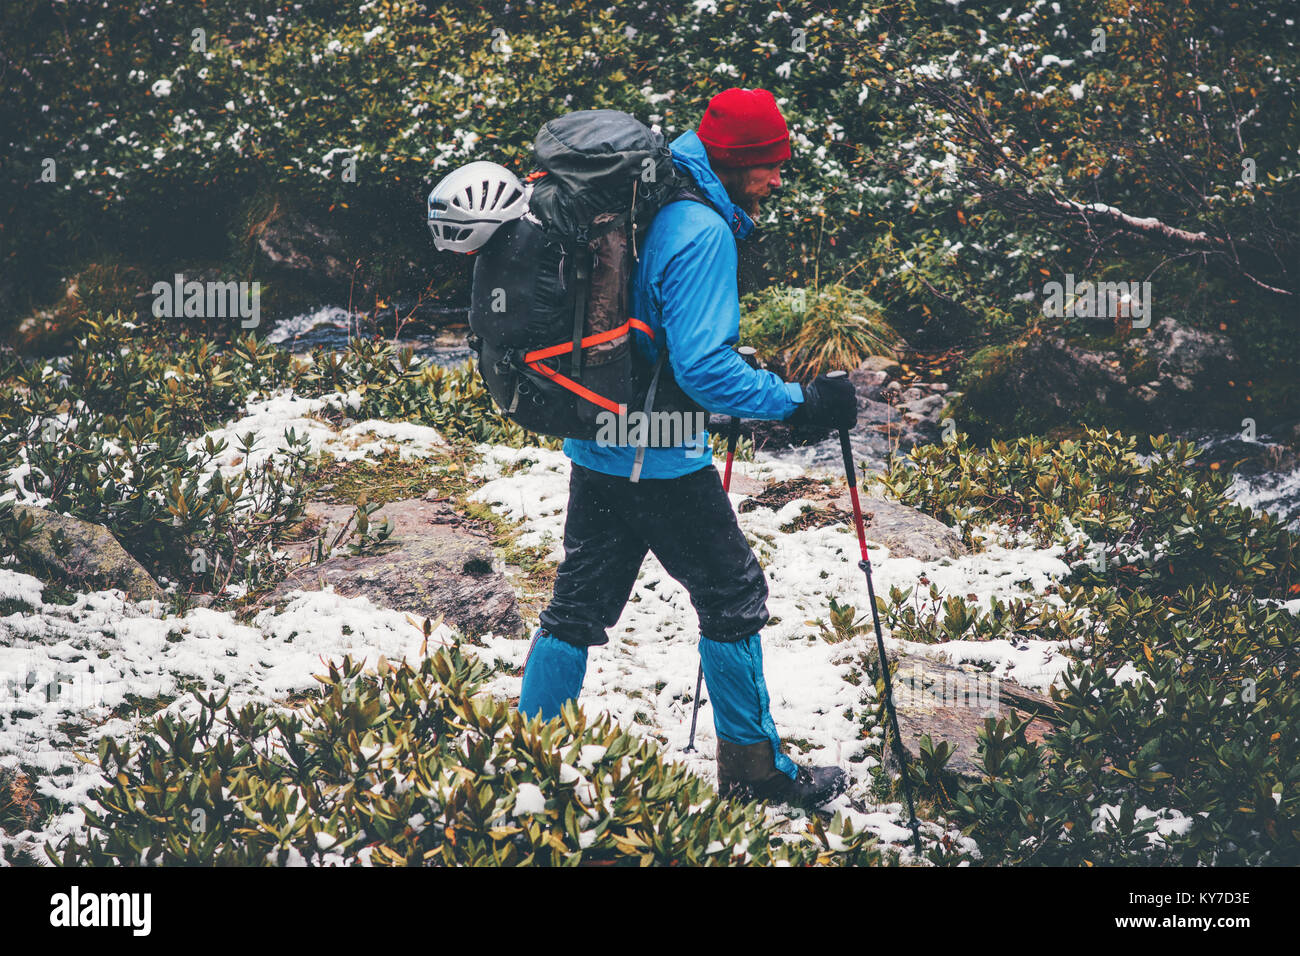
{"type": "Point", "coordinates": [550, 308]}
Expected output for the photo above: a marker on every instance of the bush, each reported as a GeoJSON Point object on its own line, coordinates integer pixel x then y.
{"type": "Point", "coordinates": [1181, 715]}
{"type": "Point", "coordinates": [1155, 524]}
{"type": "Point", "coordinates": [412, 765]}
{"type": "Point", "coordinates": [805, 332]}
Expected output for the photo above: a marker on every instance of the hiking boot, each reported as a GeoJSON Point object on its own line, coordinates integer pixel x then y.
{"type": "Point", "coordinates": [748, 772]}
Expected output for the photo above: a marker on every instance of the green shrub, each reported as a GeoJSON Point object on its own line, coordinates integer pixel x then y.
{"type": "Point", "coordinates": [407, 765]}
{"type": "Point", "coordinates": [1207, 726]}
{"type": "Point", "coordinates": [1158, 524]}
{"type": "Point", "coordinates": [1183, 697]}
{"type": "Point", "coordinates": [105, 435]}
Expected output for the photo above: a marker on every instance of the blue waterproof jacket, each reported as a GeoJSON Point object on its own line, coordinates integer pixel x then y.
{"type": "Point", "coordinates": [685, 290]}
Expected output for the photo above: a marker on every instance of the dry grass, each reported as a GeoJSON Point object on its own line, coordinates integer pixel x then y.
{"type": "Point", "coordinates": [836, 328]}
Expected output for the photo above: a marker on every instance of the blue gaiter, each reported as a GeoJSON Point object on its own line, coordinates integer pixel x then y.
{"type": "Point", "coordinates": [553, 675]}
{"type": "Point", "coordinates": [734, 674]}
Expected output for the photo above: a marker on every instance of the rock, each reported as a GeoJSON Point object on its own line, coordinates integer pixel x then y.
{"type": "Point", "coordinates": [876, 413]}
{"type": "Point", "coordinates": [868, 383]}
{"type": "Point", "coordinates": [911, 395]}
{"type": "Point", "coordinates": [906, 532]}
{"type": "Point", "coordinates": [1188, 357]}
{"type": "Point", "coordinates": [743, 485]}
{"type": "Point", "coordinates": [1152, 378]}
{"type": "Point", "coordinates": [1066, 376]}
{"type": "Point", "coordinates": [928, 406]}
{"type": "Point", "coordinates": [91, 558]}
{"type": "Point", "coordinates": [950, 703]}
{"type": "Point", "coordinates": [435, 564]}
{"type": "Point", "coordinates": [293, 243]}
{"type": "Point", "coordinates": [882, 363]}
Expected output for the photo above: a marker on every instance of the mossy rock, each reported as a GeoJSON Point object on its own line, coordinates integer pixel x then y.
{"type": "Point", "coordinates": [82, 552]}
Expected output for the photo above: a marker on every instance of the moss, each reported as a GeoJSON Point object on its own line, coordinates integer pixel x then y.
{"type": "Point", "coordinates": [390, 478]}
{"type": "Point", "coordinates": [983, 410]}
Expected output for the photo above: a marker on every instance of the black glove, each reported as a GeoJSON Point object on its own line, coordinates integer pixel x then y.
{"type": "Point", "coordinates": [827, 403]}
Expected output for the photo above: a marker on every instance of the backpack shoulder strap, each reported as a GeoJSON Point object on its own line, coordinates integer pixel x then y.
{"type": "Point", "coordinates": [690, 192]}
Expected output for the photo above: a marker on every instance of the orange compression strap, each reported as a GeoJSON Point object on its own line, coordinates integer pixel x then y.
{"type": "Point", "coordinates": [534, 360]}
{"type": "Point", "coordinates": [597, 339]}
{"type": "Point", "coordinates": [582, 391]}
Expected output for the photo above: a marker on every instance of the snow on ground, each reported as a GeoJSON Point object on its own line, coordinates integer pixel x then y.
{"type": "Point", "coordinates": [269, 420]}
{"type": "Point", "coordinates": [72, 668]}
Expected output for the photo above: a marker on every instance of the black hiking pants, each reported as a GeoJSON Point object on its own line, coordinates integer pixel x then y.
{"type": "Point", "coordinates": [689, 525]}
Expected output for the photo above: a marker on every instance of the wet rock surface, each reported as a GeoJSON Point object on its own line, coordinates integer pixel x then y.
{"type": "Point", "coordinates": [892, 419]}
{"type": "Point", "coordinates": [434, 564]}
{"type": "Point", "coordinates": [950, 702]}
{"type": "Point", "coordinates": [906, 532]}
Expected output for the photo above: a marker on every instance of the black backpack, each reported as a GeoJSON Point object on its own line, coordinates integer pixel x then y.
{"type": "Point", "coordinates": [550, 308]}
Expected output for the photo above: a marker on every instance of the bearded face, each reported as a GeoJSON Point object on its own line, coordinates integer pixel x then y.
{"type": "Point", "coordinates": [749, 185]}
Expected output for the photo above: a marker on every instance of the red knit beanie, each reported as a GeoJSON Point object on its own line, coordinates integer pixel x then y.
{"type": "Point", "coordinates": [744, 128]}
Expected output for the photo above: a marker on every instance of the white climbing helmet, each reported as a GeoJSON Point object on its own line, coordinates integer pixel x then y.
{"type": "Point", "coordinates": [468, 205]}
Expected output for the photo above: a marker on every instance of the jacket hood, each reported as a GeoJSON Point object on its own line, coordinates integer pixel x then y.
{"type": "Point", "coordinates": [689, 156]}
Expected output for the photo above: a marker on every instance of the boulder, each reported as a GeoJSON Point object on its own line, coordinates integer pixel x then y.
{"type": "Point", "coordinates": [906, 532]}
{"type": "Point", "coordinates": [950, 703]}
{"type": "Point", "coordinates": [1187, 357]}
{"type": "Point", "coordinates": [1056, 374]}
{"type": "Point", "coordinates": [1151, 378]}
{"type": "Point", "coordinates": [88, 556]}
{"type": "Point", "coordinates": [927, 406]}
{"type": "Point", "coordinates": [868, 382]}
{"type": "Point", "coordinates": [882, 363]}
{"type": "Point", "coordinates": [293, 243]}
{"type": "Point", "coordinates": [434, 564]}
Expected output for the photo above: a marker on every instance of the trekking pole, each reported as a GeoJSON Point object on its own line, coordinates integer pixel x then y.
{"type": "Point", "coordinates": [865, 564]}
{"type": "Point", "coordinates": [733, 433]}
{"type": "Point", "coordinates": [733, 436]}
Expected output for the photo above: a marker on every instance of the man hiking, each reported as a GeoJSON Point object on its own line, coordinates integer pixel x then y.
{"type": "Point", "coordinates": [685, 289]}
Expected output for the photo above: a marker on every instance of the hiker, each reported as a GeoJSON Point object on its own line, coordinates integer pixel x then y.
{"type": "Point", "coordinates": [685, 288]}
